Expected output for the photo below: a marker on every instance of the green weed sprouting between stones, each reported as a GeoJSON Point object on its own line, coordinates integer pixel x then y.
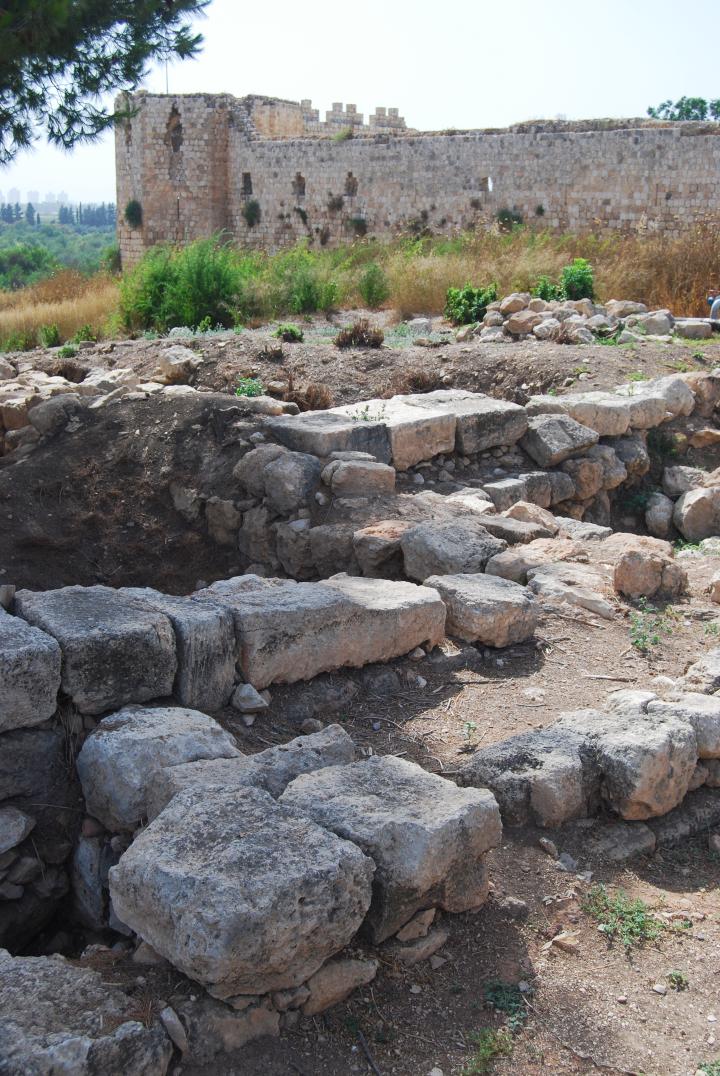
{"type": "Point", "coordinates": [364, 414]}
{"type": "Point", "coordinates": [249, 386]}
{"type": "Point", "coordinates": [648, 625]}
{"type": "Point", "coordinates": [678, 981]}
{"type": "Point", "coordinates": [621, 918]}
{"type": "Point", "coordinates": [710, 1068]}
{"type": "Point", "coordinates": [487, 1045]}
{"type": "Point", "coordinates": [67, 351]}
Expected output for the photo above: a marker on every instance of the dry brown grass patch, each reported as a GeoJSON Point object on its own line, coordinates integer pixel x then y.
{"type": "Point", "coordinates": [67, 300]}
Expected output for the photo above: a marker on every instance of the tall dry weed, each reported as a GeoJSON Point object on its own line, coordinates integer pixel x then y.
{"type": "Point", "coordinates": [68, 300]}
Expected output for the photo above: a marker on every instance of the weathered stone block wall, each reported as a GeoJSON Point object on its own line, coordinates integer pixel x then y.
{"type": "Point", "coordinates": [194, 162]}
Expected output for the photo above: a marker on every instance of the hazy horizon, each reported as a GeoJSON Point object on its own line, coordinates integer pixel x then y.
{"type": "Point", "coordinates": [477, 69]}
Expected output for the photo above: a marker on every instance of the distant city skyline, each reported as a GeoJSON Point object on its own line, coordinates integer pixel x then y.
{"type": "Point", "coordinates": [486, 66]}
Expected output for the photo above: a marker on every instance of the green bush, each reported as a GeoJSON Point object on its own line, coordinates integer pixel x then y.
{"type": "Point", "coordinates": [576, 280]}
{"type": "Point", "coordinates": [468, 304]}
{"type": "Point", "coordinates": [48, 336]}
{"type": "Point", "coordinates": [289, 334]}
{"type": "Point", "coordinates": [67, 351]}
{"type": "Point", "coordinates": [373, 286]}
{"type": "Point", "coordinates": [249, 386]}
{"type": "Point", "coordinates": [198, 284]}
{"type": "Point", "coordinates": [24, 263]}
{"type": "Point", "coordinates": [545, 289]}
{"type": "Point", "coordinates": [85, 334]}
{"type": "Point", "coordinates": [18, 341]}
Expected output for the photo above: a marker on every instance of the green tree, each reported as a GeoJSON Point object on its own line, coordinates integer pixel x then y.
{"type": "Point", "coordinates": [687, 108]}
{"type": "Point", "coordinates": [60, 58]}
{"type": "Point", "coordinates": [30, 213]}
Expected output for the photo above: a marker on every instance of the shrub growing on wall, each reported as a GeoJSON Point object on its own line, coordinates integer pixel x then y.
{"type": "Point", "coordinates": [251, 213]}
{"type": "Point", "coordinates": [133, 213]}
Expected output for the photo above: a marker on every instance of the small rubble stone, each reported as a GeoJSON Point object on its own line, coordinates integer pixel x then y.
{"type": "Point", "coordinates": [421, 949]}
{"type": "Point", "coordinates": [335, 981]}
{"type": "Point", "coordinates": [247, 700]}
{"type": "Point", "coordinates": [15, 826]}
{"type": "Point", "coordinates": [417, 927]}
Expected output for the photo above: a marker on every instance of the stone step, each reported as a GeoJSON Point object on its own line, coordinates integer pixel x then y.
{"type": "Point", "coordinates": [290, 631]}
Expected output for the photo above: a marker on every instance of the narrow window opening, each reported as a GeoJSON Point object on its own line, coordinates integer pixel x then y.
{"type": "Point", "coordinates": [246, 184]}
{"type": "Point", "coordinates": [298, 185]}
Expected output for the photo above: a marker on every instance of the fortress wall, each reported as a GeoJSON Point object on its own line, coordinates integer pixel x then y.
{"type": "Point", "coordinates": [602, 175]}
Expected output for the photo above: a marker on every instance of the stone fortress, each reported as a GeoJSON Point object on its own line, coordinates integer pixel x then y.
{"type": "Point", "coordinates": [270, 172]}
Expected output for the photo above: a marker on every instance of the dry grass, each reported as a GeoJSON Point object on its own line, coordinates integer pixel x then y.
{"type": "Point", "coordinates": [662, 271]}
{"type": "Point", "coordinates": [68, 300]}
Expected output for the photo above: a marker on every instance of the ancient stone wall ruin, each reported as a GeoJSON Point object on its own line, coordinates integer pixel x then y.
{"type": "Point", "coordinates": [271, 173]}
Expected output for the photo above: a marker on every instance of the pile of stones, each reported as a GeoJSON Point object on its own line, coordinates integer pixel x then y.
{"type": "Point", "coordinates": [581, 321]}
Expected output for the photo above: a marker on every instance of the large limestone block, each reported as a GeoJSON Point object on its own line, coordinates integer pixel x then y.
{"type": "Point", "coordinates": [447, 548]}
{"type": "Point", "coordinates": [56, 1018]}
{"type": "Point", "coordinates": [291, 480]}
{"type": "Point", "coordinates": [551, 439]}
{"type": "Point", "coordinates": [374, 546]}
{"type": "Point", "coordinates": [113, 651]}
{"type": "Point", "coordinates": [290, 631]}
{"type": "Point", "coordinates": [205, 639]}
{"type": "Point", "coordinates": [359, 478]}
{"type": "Point", "coordinates": [672, 394]}
{"type": "Point", "coordinates": [240, 893]}
{"type": "Point", "coordinates": [486, 608]}
{"type": "Point", "coordinates": [697, 513]}
{"type": "Point", "coordinates": [607, 414]}
{"type": "Point", "coordinates": [482, 422]}
{"type": "Point", "coordinates": [271, 770]}
{"type": "Point", "coordinates": [700, 711]}
{"type": "Point", "coordinates": [679, 479]}
{"type": "Point", "coordinates": [639, 573]}
{"type": "Point", "coordinates": [120, 761]}
{"type": "Point", "coordinates": [572, 584]}
{"type": "Point", "coordinates": [537, 777]}
{"type": "Point", "coordinates": [415, 433]}
{"type": "Point", "coordinates": [646, 761]}
{"type": "Point", "coordinates": [324, 432]}
{"type": "Point", "coordinates": [515, 563]}
{"type": "Point", "coordinates": [29, 674]}
{"type": "Point", "coordinates": [426, 836]}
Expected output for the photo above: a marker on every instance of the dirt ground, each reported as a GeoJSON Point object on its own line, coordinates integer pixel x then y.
{"type": "Point", "coordinates": [592, 1009]}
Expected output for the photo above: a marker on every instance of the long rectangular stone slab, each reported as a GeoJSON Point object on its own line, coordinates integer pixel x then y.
{"type": "Point", "coordinates": [482, 422]}
{"type": "Point", "coordinates": [29, 674]}
{"type": "Point", "coordinates": [323, 432]}
{"type": "Point", "coordinates": [415, 433]}
{"type": "Point", "coordinates": [290, 631]}
{"type": "Point", "coordinates": [113, 651]}
{"type": "Point", "coordinates": [205, 639]}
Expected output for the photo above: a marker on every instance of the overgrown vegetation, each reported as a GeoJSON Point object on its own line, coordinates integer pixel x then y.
{"type": "Point", "coordinates": [66, 301]}
{"type": "Point", "coordinates": [506, 998]}
{"type": "Point", "coordinates": [620, 918]}
{"type": "Point", "coordinates": [373, 286]}
{"type": "Point", "coordinates": [576, 282]}
{"type": "Point", "coordinates": [463, 306]}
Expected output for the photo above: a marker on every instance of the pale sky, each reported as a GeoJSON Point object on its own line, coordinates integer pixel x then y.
{"type": "Point", "coordinates": [464, 64]}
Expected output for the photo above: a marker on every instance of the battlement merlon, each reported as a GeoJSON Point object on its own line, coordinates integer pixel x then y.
{"type": "Point", "coordinates": [273, 117]}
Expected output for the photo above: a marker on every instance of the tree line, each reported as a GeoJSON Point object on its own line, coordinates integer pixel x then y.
{"type": "Point", "coordinates": [91, 216]}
